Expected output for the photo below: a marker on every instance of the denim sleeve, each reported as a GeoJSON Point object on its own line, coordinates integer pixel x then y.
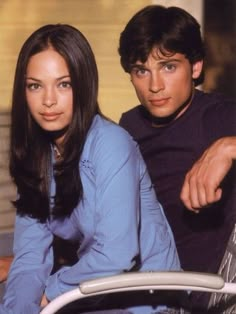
{"type": "Point", "coordinates": [31, 267]}
{"type": "Point", "coordinates": [114, 244]}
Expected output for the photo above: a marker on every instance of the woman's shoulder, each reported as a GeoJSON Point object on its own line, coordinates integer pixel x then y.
{"type": "Point", "coordinates": [107, 131]}
{"type": "Point", "coordinates": [108, 143]}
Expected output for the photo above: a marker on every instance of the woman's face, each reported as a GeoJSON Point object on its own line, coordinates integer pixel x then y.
{"type": "Point", "coordinates": [49, 93]}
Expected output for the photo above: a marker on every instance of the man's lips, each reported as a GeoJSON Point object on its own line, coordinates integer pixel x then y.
{"type": "Point", "coordinates": [159, 101]}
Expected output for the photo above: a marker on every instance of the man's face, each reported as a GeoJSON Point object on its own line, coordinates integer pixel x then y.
{"type": "Point", "coordinates": [164, 83]}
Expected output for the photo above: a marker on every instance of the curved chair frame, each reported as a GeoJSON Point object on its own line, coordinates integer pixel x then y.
{"type": "Point", "coordinates": [171, 280]}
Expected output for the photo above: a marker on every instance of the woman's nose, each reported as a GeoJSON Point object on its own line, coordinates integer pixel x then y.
{"type": "Point", "coordinates": [50, 98]}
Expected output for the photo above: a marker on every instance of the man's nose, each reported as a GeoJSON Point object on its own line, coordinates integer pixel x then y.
{"type": "Point", "coordinates": [156, 83]}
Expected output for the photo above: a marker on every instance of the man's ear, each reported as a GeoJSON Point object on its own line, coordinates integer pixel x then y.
{"type": "Point", "coordinates": [197, 69]}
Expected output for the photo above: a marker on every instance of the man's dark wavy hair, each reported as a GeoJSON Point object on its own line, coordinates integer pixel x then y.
{"type": "Point", "coordinates": [170, 30]}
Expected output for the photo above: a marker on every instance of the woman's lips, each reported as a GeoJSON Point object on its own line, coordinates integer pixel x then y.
{"type": "Point", "coordinates": [50, 116]}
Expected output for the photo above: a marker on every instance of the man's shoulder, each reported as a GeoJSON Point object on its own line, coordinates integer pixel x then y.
{"type": "Point", "coordinates": [133, 121]}
{"type": "Point", "coordinates": [131, 113]}
{"type": "Point", "coordinates": [214, 98]}
{"type": "Point", "coordinates": [215, 113]}
{"type": "Point", "coordinates": [213, 106]}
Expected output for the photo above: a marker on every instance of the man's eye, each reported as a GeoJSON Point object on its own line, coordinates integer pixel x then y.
{"type": "Point", "coordinates": [139, 71]}
{"type": "Point", "coordinates": [170, 67]}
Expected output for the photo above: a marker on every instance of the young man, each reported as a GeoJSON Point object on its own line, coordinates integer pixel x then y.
{"type": "Point", "coordinates": [187, 137]}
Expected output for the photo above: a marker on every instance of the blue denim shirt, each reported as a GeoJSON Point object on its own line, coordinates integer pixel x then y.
{"type": "Point", "coordinates": [118, 197]}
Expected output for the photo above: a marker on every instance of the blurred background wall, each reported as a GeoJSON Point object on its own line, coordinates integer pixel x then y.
{"type": "Point", "coordinates": [101, 21]}
{"type": "Point", "coordinates": [219, 18]}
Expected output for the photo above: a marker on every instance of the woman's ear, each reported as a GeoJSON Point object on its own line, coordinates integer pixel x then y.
{"type": "Point", "coordinates": [197, 69]}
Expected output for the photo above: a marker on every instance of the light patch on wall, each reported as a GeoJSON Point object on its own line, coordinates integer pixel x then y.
{"type": "Point", "coordinates": [101, 21]}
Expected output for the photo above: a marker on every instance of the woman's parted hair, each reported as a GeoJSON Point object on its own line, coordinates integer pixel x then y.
{"type": "Point", "coordinates": [30, 149]}
{"type": "Point", "coordinates": [169, 29]}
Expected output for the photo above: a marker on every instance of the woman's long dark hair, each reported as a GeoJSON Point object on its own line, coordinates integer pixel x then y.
{"type": "Point", "coordinates": [30, 146]}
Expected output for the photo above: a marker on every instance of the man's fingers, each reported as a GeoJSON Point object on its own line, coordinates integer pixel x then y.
{"type": "Point", "coordinates": [197, 192]}
{"type": "Point", "coordinates": [185, 196]}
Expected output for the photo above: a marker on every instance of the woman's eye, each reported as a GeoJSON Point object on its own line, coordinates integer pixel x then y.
{"type": "Point", "coordinates": [33, 86]}
{"type": "Point", "coordinates": [65, 85]}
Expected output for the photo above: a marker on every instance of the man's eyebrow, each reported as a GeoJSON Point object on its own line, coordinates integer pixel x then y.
{"type": "Point", "coordinates": [164, 61]}
{"type": "Point", "coordinates": [137, 66]}
{"type": "Point", "coordinates": [159, 61]}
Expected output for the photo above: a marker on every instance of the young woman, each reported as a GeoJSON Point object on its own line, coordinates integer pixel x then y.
{"type": "Point", "coordinates": [79, 177]}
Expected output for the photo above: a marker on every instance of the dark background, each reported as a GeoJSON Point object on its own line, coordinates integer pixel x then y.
{"type": "Point", "coordinates": [220, 40]}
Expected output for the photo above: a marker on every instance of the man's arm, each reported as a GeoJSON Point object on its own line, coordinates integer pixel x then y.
{"type": "Point", "coordinates": [202, 183]}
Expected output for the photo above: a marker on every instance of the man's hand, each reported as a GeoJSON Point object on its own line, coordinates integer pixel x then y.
{"type": "Point", "coordinates": [202, 183]}
{"type": "Point", "coordinates": [5, 263]}
{"type": "Point", "coordinates": [44, 301]}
